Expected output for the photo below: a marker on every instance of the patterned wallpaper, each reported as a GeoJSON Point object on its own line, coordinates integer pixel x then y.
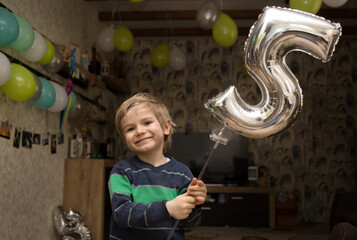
{"type": "Point", "coordinates": [311, 160]}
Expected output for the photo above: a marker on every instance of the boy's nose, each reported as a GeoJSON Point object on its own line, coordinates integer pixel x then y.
{"type": "Point", "coordinates": [140, 130]}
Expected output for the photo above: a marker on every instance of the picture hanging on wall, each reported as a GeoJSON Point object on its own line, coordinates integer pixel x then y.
{"type": "Point", "coordinates": [17, 137]}
{"type": "Point", "coordinates": [76, 51]}
{"type": "Point", "coordinates": [26, 139]}
{"type": "Point", "coordinates": [5, 130]}
{"type": "Point", "coordinates": [37, 138]}
{"type": "Point", "coordinates": [45, 137]}
{"type": "Point", "coordinates": [53, 143]}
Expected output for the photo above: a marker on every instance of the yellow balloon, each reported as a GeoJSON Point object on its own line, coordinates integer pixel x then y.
{"type": "Point", "coordinates": [225, 31]}
{"type": "Point", "coordinates": [160, 56]}
{"type": "Point", "coordinates": [310, 6]}
{"type": "Point", "coordinates": [21, 85]}
{"type": "Point", "coordinates": [123, 39]}
{"type": "Point", "coordinates": [50, 53]}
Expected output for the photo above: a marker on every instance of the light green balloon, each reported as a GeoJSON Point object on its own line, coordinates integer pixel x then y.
{"type": "Point", "coordinates": [21, 85]}
{"type": "Point", "coordinates": [160, 56]}
{"type": "Point", "coordinates": [50, 53]}
{"type": "Point", "coordinates": [225, 31]}
{"type": "Point", "coordinates": [310, 6]}
{"type": "Point", "coordinates": [26, 35]}
{"type": "Point", "coordinates": [123, 39]}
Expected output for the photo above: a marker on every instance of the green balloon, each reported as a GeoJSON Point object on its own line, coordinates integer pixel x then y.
{"type": "Point", "coordinates": [21, 85]}
{"type": "Point", "coordinates": [160, 56]}
{"type": "Point", "coordinates": [225, 31]}
{"type": "Point", "coordinates": [310, 6]}
{"type": "Point", "coordinates": [26, 35]}
{"type": "Point", "coordinates": [123, 39]}
{"type": "Point", "coordinates": [50, 53]}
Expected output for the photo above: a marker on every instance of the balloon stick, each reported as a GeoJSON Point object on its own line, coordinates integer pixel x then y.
{"type": "Point", "coordinates": [203, 170]}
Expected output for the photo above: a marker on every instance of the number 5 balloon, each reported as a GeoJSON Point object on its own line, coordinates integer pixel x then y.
{"type": "Point", "coordinates": [277, 32]}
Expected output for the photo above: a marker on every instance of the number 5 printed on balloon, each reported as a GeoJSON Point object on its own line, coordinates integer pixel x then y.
{"type": "Point", "coordinates": [277, 32]}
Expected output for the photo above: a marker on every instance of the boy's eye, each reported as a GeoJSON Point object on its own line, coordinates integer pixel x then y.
{"type": "Point", "coordinates": [129, 129]}
{"type": "Point", "coordinates": [147, 122]}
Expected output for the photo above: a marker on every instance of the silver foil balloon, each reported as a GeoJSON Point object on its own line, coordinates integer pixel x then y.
{"type": "Point", "coordinates": [38, 90]}
{"type": "Point", "coordinates": [277, 32]}
{"type": "Point", "coordinates": [56, 64]}
{"type": "Point", "coordinates": [207, 15]}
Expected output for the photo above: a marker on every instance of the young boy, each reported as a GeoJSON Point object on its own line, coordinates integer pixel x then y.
{"type": "Point", "coordinates": [149, 192]}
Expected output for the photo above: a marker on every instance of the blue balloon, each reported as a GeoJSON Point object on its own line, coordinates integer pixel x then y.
{"type": "Point", "coordinates": [48, 95]}
{"type": "Point", "coordinates": [9, 27]}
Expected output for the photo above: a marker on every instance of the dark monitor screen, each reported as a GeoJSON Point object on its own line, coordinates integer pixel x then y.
{"type": "Point", "coordinates": [228, 165]}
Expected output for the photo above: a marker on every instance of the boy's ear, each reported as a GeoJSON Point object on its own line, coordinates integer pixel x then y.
{"type": "Point", "coordinates": [167, 127]}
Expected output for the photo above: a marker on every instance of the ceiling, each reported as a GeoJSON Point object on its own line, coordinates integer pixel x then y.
{"type": "Point", "coordinates": [178, 17]}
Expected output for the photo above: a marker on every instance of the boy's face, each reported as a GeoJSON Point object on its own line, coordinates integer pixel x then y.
{"type": "Point", "coordinates": [142, 131]}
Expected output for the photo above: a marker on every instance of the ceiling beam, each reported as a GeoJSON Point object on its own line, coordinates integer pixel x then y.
{"type": "Point", "coordinates": [197, 32]}
{"type": "Point", "coordinates": [194, 31]}
{"type": "Point", "coordinates": [191, 14]}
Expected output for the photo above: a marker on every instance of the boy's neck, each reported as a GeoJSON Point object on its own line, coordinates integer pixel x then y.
{"type": "Point", "coordinates": [155, 159]}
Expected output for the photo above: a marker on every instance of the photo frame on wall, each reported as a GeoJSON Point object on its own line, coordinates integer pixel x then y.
{"type": "Point", "coordinates": [76, 51]}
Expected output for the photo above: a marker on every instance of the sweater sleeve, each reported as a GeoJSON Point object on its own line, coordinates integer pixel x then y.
{"type": "Point", "coordinates": [127, 213]}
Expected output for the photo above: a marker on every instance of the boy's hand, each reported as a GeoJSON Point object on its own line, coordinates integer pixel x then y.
{"type": "Point", "coordinates": [181, 206]}
{"type": "Point", "coordinates": [198, 190]}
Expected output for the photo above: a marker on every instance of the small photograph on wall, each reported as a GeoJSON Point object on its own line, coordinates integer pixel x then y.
{"type": "Point", "coordinates": [53, 143]}
{"type": "Point", "coordinates": [5, 130]}
{"type": "Point", "coordinates": [45, 137]}
{"type": "Point", "coordinates": [17, 137]}
{"type": "Point", "coordinates": [37, 138]}
{"type": "Point", "coordinates": [26, 139]}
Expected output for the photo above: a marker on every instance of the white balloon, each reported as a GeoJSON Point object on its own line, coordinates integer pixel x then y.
{"type": "Point", "coordinates": [177, 59]}
{"type": "Point", "coordinates": [106, 39]}
{"type": "Point", "coordinates": [61, 98]}
{"type": "Point", "coordinates": [334, 3]}
{"type": "Point", "coordinates": [38, 49]}
{"type": "Point", "coordinates": [5, 69]}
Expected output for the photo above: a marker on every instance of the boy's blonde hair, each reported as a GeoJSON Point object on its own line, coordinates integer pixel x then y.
{"type": "Point", "coordinates": [158, 108]}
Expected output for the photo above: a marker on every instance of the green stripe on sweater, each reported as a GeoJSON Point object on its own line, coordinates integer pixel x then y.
{"type": "Point", "coordinates": [148, 194]}
{"type": "Point", "coordinates": [120, 184]}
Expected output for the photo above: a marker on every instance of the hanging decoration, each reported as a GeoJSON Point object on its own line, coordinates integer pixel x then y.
{"type": "Point", "coordinates": [160, 55]}
{"type": "Point", "coordinates": [310, 6]}
{"type": "Point", "coordinates": [38, 90]}
{"type": "Point", "coordinates": [334, 3]}
{"type": "Point", "coordinates": [56, 63]}
{"type": "Point", "coordinates": [49, 54]}
{"type": "Point", "coordinates": [48, 95]}
{"type": "Point", "coordinates": [21, 85]}
{"type": "Point", "coordinates": [26, 35]}
{"type": "Point", "coordinates": [123, 39]}
{"type": "Point", "coordinates": [61, 98]}
{"type": "Point", "coordinates": [9, 27]}
{"type": "Point", "coordinates": [37, 51]}
{"type": "Point", "coordinates": [207, 15]}
{"type": "Point", "coordinates": [5, 69]}
{"type": "Point", "coordinates": [106, 39]}
{"type": "Point", "coordinates": [177, 59]}
{"type": "Point", "coordinates": [271, 38]}
{"type": "Point", "coordinates": [225, 31]}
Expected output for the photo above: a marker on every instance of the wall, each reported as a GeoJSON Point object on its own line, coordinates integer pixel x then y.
{"type": "Point", "coordinates": [31, 180]}
{"type": "Point", "coordinates": [312, 159]}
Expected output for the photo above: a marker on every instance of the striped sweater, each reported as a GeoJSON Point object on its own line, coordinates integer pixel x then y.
{"type": "Point", "coordinates": [138, 193]}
